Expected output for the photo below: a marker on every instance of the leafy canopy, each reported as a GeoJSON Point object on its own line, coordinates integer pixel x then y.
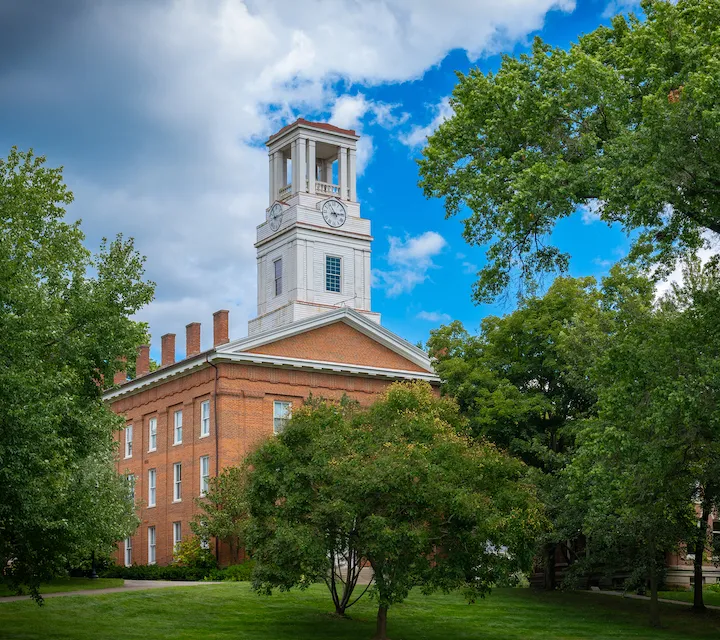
{"type": "Point", "coordinates": [652, 449]}
{"type": "Point", "coordinates": [65, 327]}
{"type": "Point", "coordinates": [400, 484]}
{"type": "Point", "coordinates": [626, 122]}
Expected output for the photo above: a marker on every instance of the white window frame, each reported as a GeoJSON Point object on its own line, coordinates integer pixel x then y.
{"type": "Point", "coordinates": [177, 534]}
{"type": "Point", "coordinates": [177, 482]}
{"type": "Point", "coordinates": [205, 418]}
{"type": "Point", "coordinates": [128, 441]}
{"type": "Point", "coordinates": [278, 280]}
{"type": "Point", "coordinates": [177, 427]}
{"type": "Point", "coordinates": [128, 551]}
{"type": "Point", "coordinates": [279, 421]}
{"type": "Point", "coordinates": [152, 545]}
{"type": "Point", "coordinates": [339, 275]}
{"type": "Point", "coordinates": [152, 487]}
{"type": "Point", "coordinates": [152, 434]}
{"type": "Point", "coordinates": [204, 475]}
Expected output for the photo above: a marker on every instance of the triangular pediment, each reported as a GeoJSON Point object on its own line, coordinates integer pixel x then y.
{"type": "Point", "coordinates": [343, 336]}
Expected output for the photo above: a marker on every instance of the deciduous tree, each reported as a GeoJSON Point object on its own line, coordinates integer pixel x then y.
{"type": "Point", "coordinates": [625, 123]}
{"type": "Point", "coordinates": [519, 386]}
{"type": "Point", "coordinates": [65, 328]}
{"type": "Point", "coordinates": [426, 505]}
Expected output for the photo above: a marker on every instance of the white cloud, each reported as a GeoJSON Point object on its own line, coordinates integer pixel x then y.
{"type": "Point", "coordinates": [469, 267]}
{"type": "Point", "coordinates": [591, 211]}
{"type": "Point", "coordinates": [433, 316]}
{"type": "Point", "coordinates": [620, 6]}
{"type": "Point", "coordinates": [711, 248]}
{"type": "Point", "coordinates": [410, 260]}
{"type": "Point", "coordinates": [417, 135]}
{"type": "Point", "coordinates": [200, 84]}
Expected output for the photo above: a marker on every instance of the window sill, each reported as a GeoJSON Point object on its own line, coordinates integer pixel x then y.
{"type": "Point", "coordinates": [207, 435]}
{"type": "Point", "coordinates": [127, 457]}
{"type": "Point", "coordinates": [151, 506]}
{"type": "Point", "coordinates": [175, 444]}
{"type": "Point", "coordinates": [152, 450]}
{"type": "Point", "coordinates": [175, 501]}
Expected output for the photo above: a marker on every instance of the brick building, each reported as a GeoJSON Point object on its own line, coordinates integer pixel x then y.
{"type": "Point", "coordinates": [314, 333]}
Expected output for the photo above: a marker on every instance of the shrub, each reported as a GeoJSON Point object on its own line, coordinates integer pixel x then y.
{"type": "Point", "coordinates": [191, 554]}
{"type": "Point", "coordinates": [240, 572]}
{"type": "Point", "coordinates": [234, 573]}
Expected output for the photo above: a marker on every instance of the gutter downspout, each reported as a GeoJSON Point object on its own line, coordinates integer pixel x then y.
{"type": "Point", "coordinates": [217, 442]}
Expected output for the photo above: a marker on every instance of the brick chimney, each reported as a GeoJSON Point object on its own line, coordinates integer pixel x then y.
{"type": "Point", "coordinates": [142, 363]}
{"type": "Point", "coordinates": [120, 376]}
{"type": "Point", "coordinates": [220, 327]}
{"type": "Point", "coordinates": [167, 349]}
{"type": "Point", "coordinates": [192, 339]}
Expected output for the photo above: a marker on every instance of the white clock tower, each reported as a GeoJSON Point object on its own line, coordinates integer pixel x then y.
{"type": "Point", "coordinates": [313, 250]}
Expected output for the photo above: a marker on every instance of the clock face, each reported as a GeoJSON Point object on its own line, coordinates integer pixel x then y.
{"type": "Point", "coordinates": [334, 213]}
{"type": "Point", "coordinates": [275, 216]}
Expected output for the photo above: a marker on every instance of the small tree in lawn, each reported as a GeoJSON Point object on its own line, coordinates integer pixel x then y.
{"type": "Point", "coordinates": [301, 529]}
{"type": "Point", "coordinates": [400, 485]}
{"type": "Point", "coordinates": [223, 510]}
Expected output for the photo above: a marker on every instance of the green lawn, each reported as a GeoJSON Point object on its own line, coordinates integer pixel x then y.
{"type": "Point", "coordinates": [71, 584]}
{"type": "Point", "coordinates": [233, 611]}
{"type": "Point", "coordinates": [709, 597]}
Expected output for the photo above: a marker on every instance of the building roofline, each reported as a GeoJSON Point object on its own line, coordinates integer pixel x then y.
{"type": "Point", "coordinates": [350, 316]}
{"type": "Point", "coordinates": [301, 122]}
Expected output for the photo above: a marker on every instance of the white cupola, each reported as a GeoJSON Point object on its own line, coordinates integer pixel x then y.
{"type": "Point", "coordinates": [313, 249]}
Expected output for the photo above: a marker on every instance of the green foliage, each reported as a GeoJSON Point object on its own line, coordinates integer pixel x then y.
{"type": "Point", "coordinates": [233, 573]}
{"type": "Point", "coordinates": [402, 486]}
{"type": "Point", "coordinates": [65, 326]}
{"type": "Point", "coordinates": [520, 385]}
{"type": "Point", "coordinates": [223, 510]}
{"type": "Point", "coordinates": [190, 553]}
{"type": "Point", "coordinates": [653, 447]}
{"type": "Point", "coordinates": [238, 572]}
{"type": "Point", "coordinates": [625, 122]}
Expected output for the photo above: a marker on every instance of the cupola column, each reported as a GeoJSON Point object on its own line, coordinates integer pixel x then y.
{"type": "Point", "coordinates": [301, 169]}
{"type": "Point", "coordinates": [273, 189]}
{"type": "Point", "coordinates": [279, 175]}
{"type": "Point", "coordinates": [342, 172]}
{"type": "Point", "coordinates": [311, 166]}
{"type": "Point", "coordinates": [352, 179]}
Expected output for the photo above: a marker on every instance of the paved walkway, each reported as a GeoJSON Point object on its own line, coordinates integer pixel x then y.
{"type": "Point", "coordinates": [130, 585]}
{"type": "Point", "coordinates": [634, 596]}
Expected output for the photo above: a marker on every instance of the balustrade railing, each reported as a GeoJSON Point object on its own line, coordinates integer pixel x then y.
{"type": "Point", "coordinates": [325, 188]}
{"type": "Point", "coordinates": [321, 189]}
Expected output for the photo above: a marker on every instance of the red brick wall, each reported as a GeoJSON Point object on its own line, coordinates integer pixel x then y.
{"type": "Point", "coordinates": [338, 343]}
{"type": "Point", "coordinates": [245, 396]}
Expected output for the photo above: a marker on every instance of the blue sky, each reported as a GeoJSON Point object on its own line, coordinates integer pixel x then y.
{"type": "Point", "coordinates": [159, 109]}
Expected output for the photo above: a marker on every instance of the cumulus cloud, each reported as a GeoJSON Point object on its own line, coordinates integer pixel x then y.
{"type": "Point", "coordinates": [591, 211]}
{"type": "Point", "coordinates": [410, 260]}
{"type": "Point", "coordinates": [711, 248]}
{"type": "Point", "coordinates": [418, 134]}
{"type": "Point", "coordinates": [159, 109]}
{"type": "Point", "coordinates": [433, 316]}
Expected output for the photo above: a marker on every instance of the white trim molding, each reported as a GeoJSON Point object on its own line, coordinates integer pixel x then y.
{"type": "Point", "coordinates": [237, 351]}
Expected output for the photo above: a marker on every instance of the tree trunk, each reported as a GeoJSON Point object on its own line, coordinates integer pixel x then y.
{"type": "Point", "coordinates": [654, 604]}
{"type": "Point", "coordinates": [698, 604]}
{"type": "Point", "coordinates": [381, 630]}
{"type": "Point", "coordinates": [549, 568]}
